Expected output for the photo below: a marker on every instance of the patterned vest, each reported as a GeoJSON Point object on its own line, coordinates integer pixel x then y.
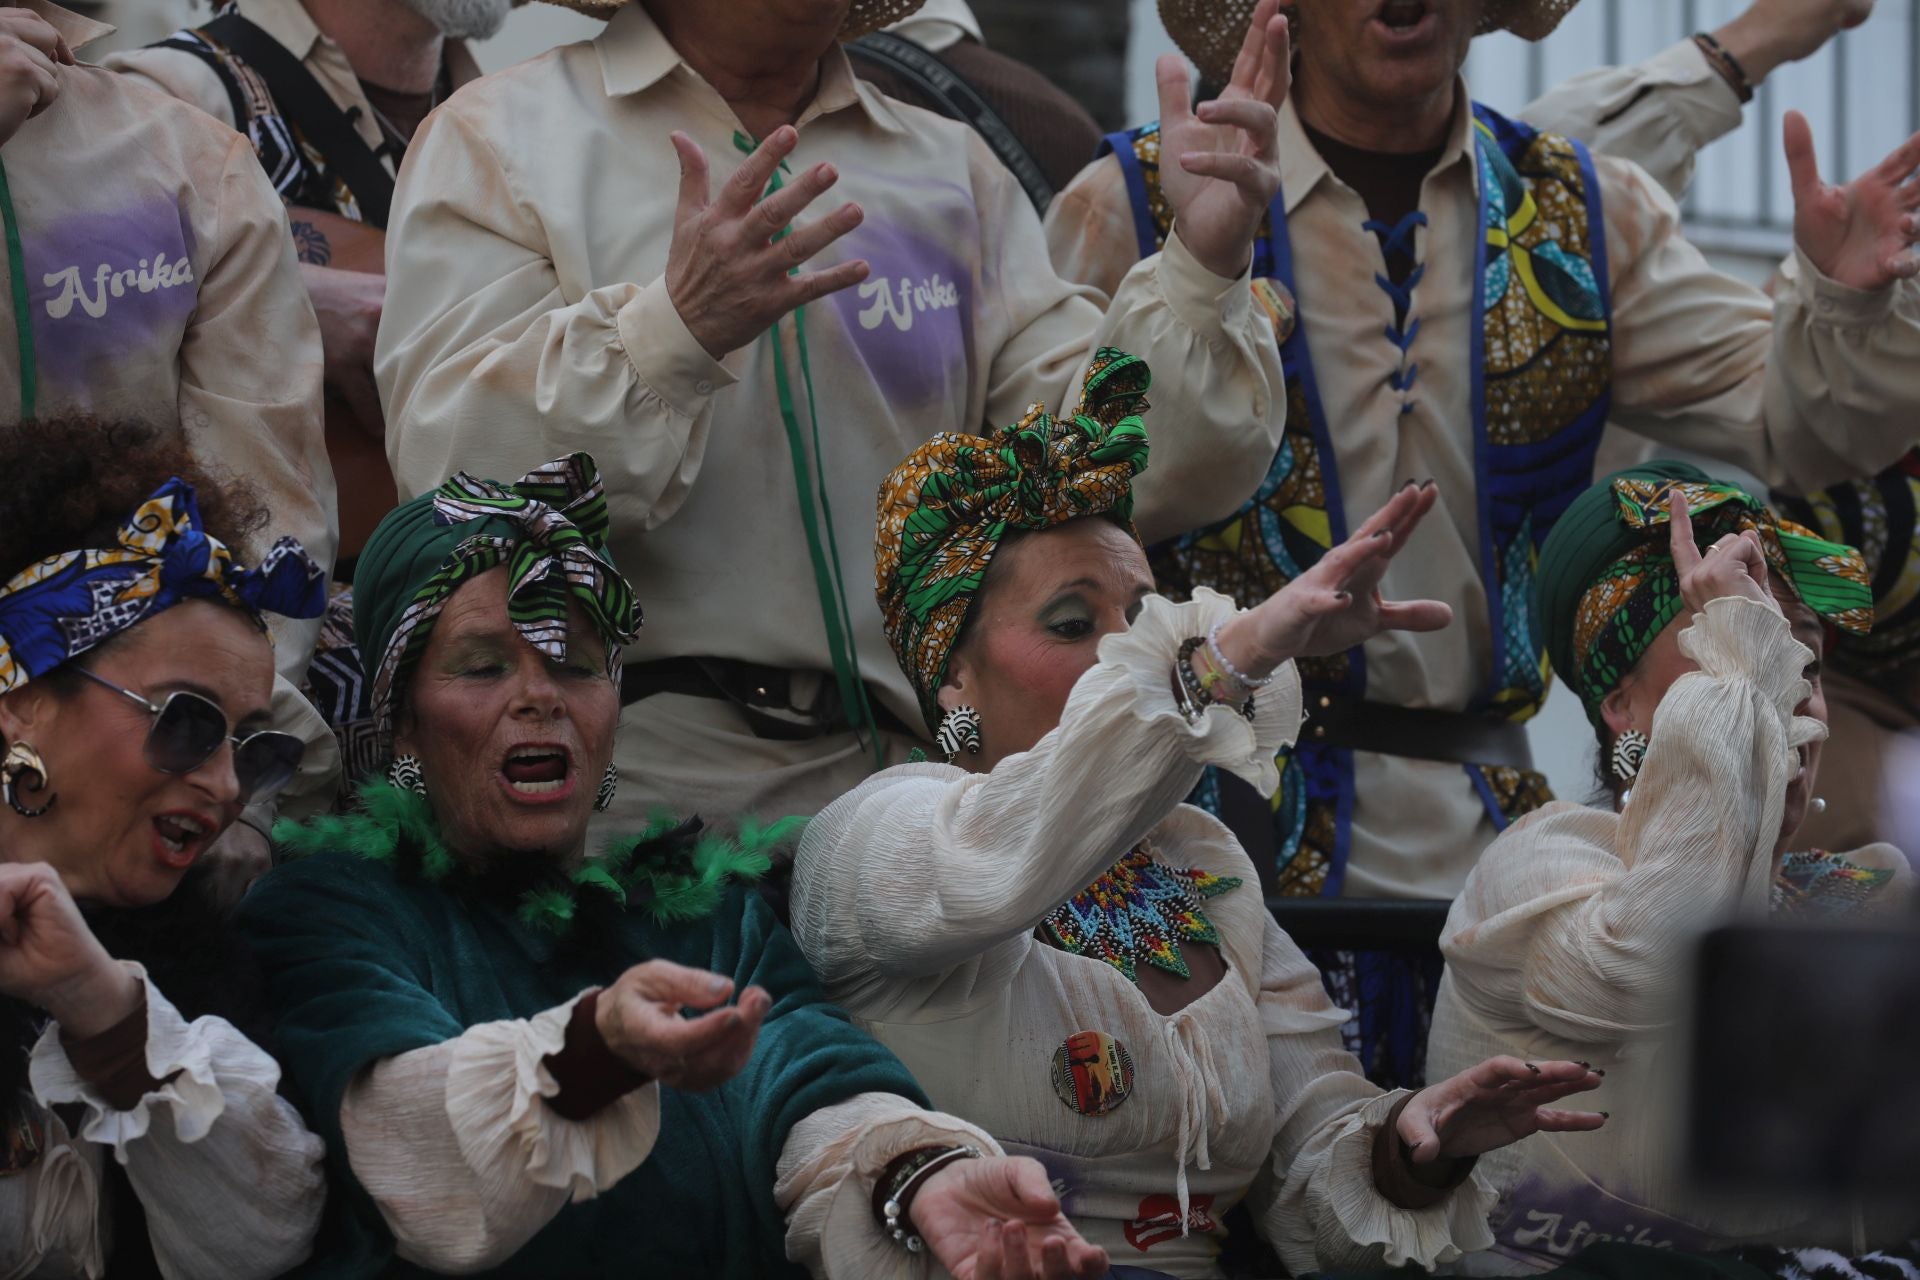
{"type": "Point", "coordinates": [1541, 386]}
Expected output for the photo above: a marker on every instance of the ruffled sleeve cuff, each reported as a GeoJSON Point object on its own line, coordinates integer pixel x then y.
{"type": "Point", "coordinates": [1735, 637]}
{"type": "Point", "coordinates": [1210, 305]}
{"type": "Point", "coordinates": [499, 1085]}
{"type": "Point", "coordinates": [1427, 1237]}
{"type": "Point", "coordinates": [1145, 655]}
{"type": "Point", "coordinates": [1832, 303]}
{"type": "Point", "coordinates": [188, 1062]}
{"type": "Point", "coordinates": [849, 1235]}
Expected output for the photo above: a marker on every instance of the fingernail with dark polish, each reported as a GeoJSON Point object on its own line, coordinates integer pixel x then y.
{"type": "Point", "coordinates": [1533, 1068]}
{"type": "Point", "coordinates": [1606, 1115]}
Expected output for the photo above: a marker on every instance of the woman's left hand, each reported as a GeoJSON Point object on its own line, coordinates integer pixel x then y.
{"type": "Point", "coordinates": [1494, 1104]}
{"type": "Point", "coordinates": [998, 1219]}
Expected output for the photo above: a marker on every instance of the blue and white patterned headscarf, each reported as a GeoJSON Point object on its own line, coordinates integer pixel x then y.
{"type": "Point", "coordinates": [58, 608]}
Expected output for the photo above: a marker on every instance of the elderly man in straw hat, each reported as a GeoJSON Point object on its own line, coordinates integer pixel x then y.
{"type": "Point", "coordinates": [621, 246]}
{"type": "Point", "coordinates": [1475, 299]}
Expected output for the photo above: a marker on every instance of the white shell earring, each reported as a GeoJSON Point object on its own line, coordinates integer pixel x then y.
{"type": "Point", "coordinates": [404, 773]}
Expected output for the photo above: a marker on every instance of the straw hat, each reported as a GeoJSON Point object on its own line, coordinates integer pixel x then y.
{"type": "Point", "coordinates": [862, 17]}
{"type": "Point", "coordinates": [1211, 31]}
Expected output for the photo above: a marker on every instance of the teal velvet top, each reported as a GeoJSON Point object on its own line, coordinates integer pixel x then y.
{"type": "Point", "coordinates": [365, 961]}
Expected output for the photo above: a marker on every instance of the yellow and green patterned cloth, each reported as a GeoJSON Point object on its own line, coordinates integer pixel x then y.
{"type": "Point", "coordinates": [1607, 580]}
{"type": "Point", "coordinates": [946, 509]}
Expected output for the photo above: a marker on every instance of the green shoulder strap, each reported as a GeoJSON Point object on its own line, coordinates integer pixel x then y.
{"type": "Point", "coordinates": [22, 311]}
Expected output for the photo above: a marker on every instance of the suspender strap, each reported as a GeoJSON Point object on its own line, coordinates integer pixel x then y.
{"type": "Point", "coordinates": [22, 311]}
{"type": "Point", "coordinates": [957, 99]}
{"type": "Point", "coordinates": [307, 108]}
{"type": "Point", "coordinates": [828, 578]}
{"type": "Point", "coordinates": [236, 97]}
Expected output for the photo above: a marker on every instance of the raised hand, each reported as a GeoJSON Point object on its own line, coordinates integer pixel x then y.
{"type": "Point", "coordinates": [998, 1219]}
{"type": "Point", "coordinates": [1337, 603]}
{"type": "Point", "coordinates": [639, 1017]}
{"type": "Point", "coordinates": [50, 959]}
{"type": "Point", "coordinates": [30, 49]}
{"type": "Point", "coordinates": [1861, 234]}
{"type": "Point", "coordinates": [1736, 565]}
{"type": "Point", "coordinates": [1220, 162]}
{"type": "Point", "coordinates": [1496, 1103]}
{"type": "Point", "coordinates": [726, 274]}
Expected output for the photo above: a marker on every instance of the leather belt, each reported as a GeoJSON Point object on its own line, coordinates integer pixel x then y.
{"type": "Point", "coordinates": [762, 695]}
{"type": "Point", "coordinates": [1455, 737]}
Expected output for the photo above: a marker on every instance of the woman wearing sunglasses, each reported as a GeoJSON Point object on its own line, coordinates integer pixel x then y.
{"type": "Point", "coordinates": [136, 1129]}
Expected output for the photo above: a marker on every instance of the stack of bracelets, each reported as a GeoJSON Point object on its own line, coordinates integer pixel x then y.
{"type": "Point", "coordinates": [1222, 683]}
{"type": "Point", "coordinates": [894, 1190]}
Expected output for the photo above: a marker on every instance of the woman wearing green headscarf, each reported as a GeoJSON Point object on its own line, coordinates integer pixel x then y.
{"type": "Point", "coordinates": [529, 1061]}
{"type": "Point", "coordinates": [1689, 619]}
{"type": "Point", "coordinates": [1062, 951]}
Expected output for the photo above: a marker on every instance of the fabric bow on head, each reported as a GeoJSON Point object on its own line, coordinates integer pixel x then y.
{"type": "Point", "coordinates": [946, 509]}
{"type": "Point", "coordinates": [549, 529]}
{"type": "Point", "coordinates": [1637, 593]}
{"type": "Point", "coordinates": [59, 608]}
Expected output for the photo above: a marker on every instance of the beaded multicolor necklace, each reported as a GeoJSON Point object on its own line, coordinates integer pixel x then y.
{"type": "Point", "coordinates": [1139, 909]}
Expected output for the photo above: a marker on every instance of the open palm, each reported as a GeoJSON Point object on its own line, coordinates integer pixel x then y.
{"type": "Point", "coordinates": [1220, 161]}
{"type": "Point", "coordinates": [1493, 1105]}
{"type": "Point", "coordinates": [1337, 604]}
{"type": "Point", "coordinates": [1861, 234]}
{"type": "Point", "coordinates": [998, 1219]}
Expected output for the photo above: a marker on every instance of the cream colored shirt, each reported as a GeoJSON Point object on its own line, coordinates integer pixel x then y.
{"type": "Point", "coordinates": [527, 317]}
{"type": "Point", "coordinates": [227, 1174]}
{"type": "Point", "coordinates": [1658, 113]}
{"type": "Point", "coordinates": [1568, 942]}
{"type": "Point", "coordinates": [162, 285]}
{"type": "Point", "coordinates": [467, 1162]}
{"type": "Point", "coordinates": [916, 898]}
{"type": "Point", "coordinates": [1818, 383]}
{"type": "Point", "coordinates": [185, 76]}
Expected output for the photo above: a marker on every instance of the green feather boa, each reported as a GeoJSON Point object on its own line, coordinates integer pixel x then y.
{"type": "Point", "coordinates": [672, 880]}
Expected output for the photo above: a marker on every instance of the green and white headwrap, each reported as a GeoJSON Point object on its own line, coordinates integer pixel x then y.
{"type": "Point", "coordinates": [549, 529]}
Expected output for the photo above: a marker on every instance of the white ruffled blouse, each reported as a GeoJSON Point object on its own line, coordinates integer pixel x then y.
{"type": "Point", "coordinates": [226, 1171]}
{"type": "Point", "coordinates": [1571, 938]}
{"type": "Point", "coordinates": [916, 898]}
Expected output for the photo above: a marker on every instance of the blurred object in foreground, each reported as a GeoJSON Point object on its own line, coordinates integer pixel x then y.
{"type": "Point", "coordinates": [1805, 1056]}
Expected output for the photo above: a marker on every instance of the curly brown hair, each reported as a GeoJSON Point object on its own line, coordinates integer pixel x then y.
{"type": "Point", "coordinates": [70, 482]}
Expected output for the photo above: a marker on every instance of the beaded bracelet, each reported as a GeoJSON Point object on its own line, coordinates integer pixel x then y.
{"type": "Point", "coordinates": [1234, 673]}
{"type": "Point", "coordinates": [1196, 690]}
{"type": "Point", "coordinates": [1726, 65]}
{"type": "Point", "coordinates": [900, 1182]}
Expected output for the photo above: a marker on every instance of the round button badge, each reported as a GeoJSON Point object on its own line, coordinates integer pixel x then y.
{"type": "Point", "coordinates": [1092, 1073]}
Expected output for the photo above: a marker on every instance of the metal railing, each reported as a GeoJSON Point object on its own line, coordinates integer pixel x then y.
{"type": "Point", "coordinates": [1861, 94]}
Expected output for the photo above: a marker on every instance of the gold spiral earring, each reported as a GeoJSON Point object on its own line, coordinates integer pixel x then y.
{"type": "Point", "coordinates": [21, 759]}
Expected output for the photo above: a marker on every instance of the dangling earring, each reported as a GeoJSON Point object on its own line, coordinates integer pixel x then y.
{"type": "Point", "coordinates": [609, 783]}
{"type": "Point", "coordinates": [22, 758]}
{"type": "Point", "coordinates": [404, 773]}
{"type": "Point", "coordinates": [1629, 749]}
{"type": "Point", "coordinates": [959, 731]}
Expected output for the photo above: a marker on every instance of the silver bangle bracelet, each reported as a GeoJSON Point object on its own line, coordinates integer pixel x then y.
{"type": "Point", "coordinates": [1232, 672]}
{"type": "Point", "coordinates": [894, 1211]}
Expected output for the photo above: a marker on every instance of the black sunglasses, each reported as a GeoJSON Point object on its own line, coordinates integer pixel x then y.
{"type": "Point", "coordinates": [188, 729]}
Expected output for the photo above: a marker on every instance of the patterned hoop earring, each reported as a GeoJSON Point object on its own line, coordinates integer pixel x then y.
{"type": "Point", "coordinates": [959, 731]}
{"type": "Point", "coordinates": [1629, 750]}
{"type": "Point", "coordinates": [609, 783]}
{"type": "Point", "coordinates": [22, 758]}
{"type": "Point", "coordinates": [404, 773]}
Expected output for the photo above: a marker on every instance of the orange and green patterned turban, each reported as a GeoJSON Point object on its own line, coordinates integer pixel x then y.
{"type": "Point", "coordinates": [1607, 583]}
{"type": "Point", "coordinates": [945, 510]}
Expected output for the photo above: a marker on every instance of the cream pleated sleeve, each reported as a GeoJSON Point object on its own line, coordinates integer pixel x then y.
{"type": "Point", "coordinates": [227, 1174]}
{"type": "Point", "coordinates": [458, 1148]}
{"type": "Point", "coordinates": [1570, 921]}
{"type": "Point", "coordinates": [956, 870]}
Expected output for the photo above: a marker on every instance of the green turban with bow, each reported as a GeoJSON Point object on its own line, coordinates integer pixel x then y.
{"type": "Point", "coordinates": [946, 509]}
{"type": "Point", "coordinates": [549, 528]}
{"type": "Point", "coordinates": [1607, 584]}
